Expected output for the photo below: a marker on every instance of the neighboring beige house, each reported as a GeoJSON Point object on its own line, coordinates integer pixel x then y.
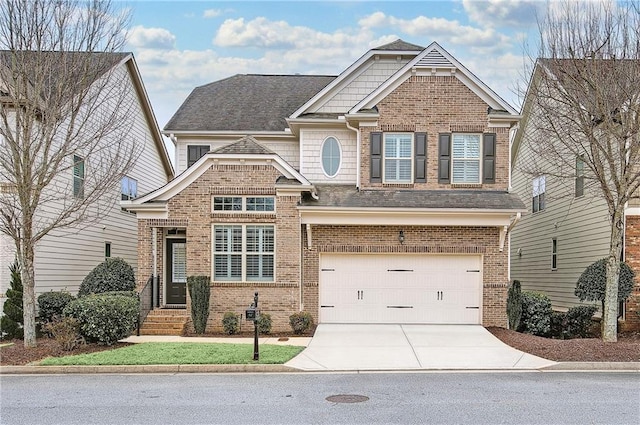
{"type": "Point", "coordinates": [566, 227]}
{"type": "Point", "coordinates": [377, 196]}
{"type": "Point", "coordinates": [65, 257]}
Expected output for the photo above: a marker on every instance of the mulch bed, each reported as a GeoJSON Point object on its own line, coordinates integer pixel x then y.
{"type": "Point", "coordinates": [17, 355]}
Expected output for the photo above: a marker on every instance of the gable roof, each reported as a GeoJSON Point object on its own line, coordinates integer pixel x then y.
{"type": "Point", "coordinates": [245, 146]}
{"type": "Point", "coordinates": [400, 45]}
{"type": "Point", "coordinates": [433, 57]}
{"type": "Point", "coordinates": [250, 103]}
{"type": "Point", "coordinates": [99, 64]}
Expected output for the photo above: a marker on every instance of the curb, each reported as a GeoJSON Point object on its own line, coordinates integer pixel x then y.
{"type": "Point", "coordinates": [167, 369]}
{"type": "Point", "coordinates": [272, 368]}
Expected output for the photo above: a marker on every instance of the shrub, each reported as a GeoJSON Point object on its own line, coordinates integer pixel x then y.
{"type": "Point", "coordinates": [536, 314]}
{"type": "Point", "coordinates": [52, 304]}
{"type": "Point", "coordinates": [104, 318]}
{"type": "Point", "coordinates": [558, 325]}
{"type": "Point", "coordinates": [11, 323]}
{"type": "Point", "coordinates": [579, 320]}
{"type": "Point", "coordinates": [230, 323]}
{"type": "Point", "coordinates": [300, 322]}
{"type": "Point", "coordinates": [114, 274]}
{"type": "Point", "coordinates": [66, 332]}
{"type": "Point", "coordinates": [199, 291]}
{"type": "Point", "coordinates": [591, 283]}
{"type": "Point", "coordinates": [514, 305]}
{"type": "Point", "coordinates": [132, 294]}
{"type": "Point", "coordinates": [264, 323]}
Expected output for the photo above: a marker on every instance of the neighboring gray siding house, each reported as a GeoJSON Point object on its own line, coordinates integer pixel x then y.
{"type": "Point", "coordinates": [65, 257]}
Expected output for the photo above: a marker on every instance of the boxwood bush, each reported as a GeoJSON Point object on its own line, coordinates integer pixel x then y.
{"type": "Point", "coordinates": [113, 274]}
{"type": "Point", "coordinates": [536, 314]}
{"type": "Point", "coordinates": [105, 318]}
{"type": "Point", "coordinates": [230, 323]}
{"type": "Point", "coordinates": [300, 322]}
{"type": "Point", "coordinates": [264, 323]}
{"type": "Point", "coordinates": [575, 323]}
{"type": "Point", "coordinates": [52, 304]}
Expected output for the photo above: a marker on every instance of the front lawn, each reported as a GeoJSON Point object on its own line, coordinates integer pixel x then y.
{"type": "Point", "coordinates": [152, 353]}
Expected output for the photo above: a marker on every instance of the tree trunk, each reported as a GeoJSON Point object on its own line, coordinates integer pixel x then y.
{"type": "Point", "coordinates": [610, 313]}
{"type": "Point", "coordinates": [28, 295]}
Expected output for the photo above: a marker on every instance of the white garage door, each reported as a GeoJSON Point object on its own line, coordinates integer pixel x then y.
{"type": "Point", "coordinates": [400, 288]}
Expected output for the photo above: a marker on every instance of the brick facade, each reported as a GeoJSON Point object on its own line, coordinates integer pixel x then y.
{"type": "Point", "coordinates": [632, 257]}
{"type": "Point", "coordinates": [418, 239]}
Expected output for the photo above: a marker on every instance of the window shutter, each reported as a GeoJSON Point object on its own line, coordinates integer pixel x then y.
{"type": "Point", "coordinates": [376, 157]}
{"type": "Point", "coordinates": [489, 157]}
{"type": "Point", "coordinates": [420, 172]}
{"type": "Point", "coordinates": [444, 158]}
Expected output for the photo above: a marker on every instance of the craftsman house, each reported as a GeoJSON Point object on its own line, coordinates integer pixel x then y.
{"type": "Point", "coordinates": [66, 255]}
{"type": "Point", "coordinates": [377, 196]}
{"type": "Point", "coordinates": [567, 226]}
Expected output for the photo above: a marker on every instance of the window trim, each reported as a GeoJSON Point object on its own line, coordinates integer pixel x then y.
{"type": "Point", "coordinates": [540, 195]}
{"type": "Point", "coordinates": [79, 192]}
{"type": "Point", "coordinates": [579, 179]}
{"type": "Point", "coordinates": [243, 207]}
{"type": "Point", "coordinates": [339, 145]}
{"type": "Point", "coordinates": [479, 159]}
{"type": "Point", "coordinates": [554, 254]}
{"type": "Point", "coordinates": [411, 158]}
{"type": "Point", "coordinates": [208, 147]}
{"type": "Point", "coordinates": [107, 249]}
{"type": "Point", "coordinates": [243, 253]}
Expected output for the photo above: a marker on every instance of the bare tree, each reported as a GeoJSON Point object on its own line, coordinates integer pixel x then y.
{"type": "Point", "coordinates": [584, 101]}
{"type": "Point", "coordinates": [65, 121]}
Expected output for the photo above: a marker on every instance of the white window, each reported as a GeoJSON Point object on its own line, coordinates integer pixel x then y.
{"type": "Point", "coordinates": [554, 254]}
{"type": "Point", "coordinates": [539, 189]}
{"type": "Point", "coordinates": [179, 262]}
{"type": "Point", "coordinates": [579, 176]}
{"type": "Point", "coordinates": [398, 158]}
{"type": "Point", "coordinates": [465, 158]}
{"type": "Point", "coordinates": [128, 188]}
{"type": "Point", "coordinates": [244, 204]}
{"type": "Point", "coordinates": [243, 253]}
{"type": "Point", "coordinates": [78, 176]}
{"type": "Point", "coordinates": [331, 156]}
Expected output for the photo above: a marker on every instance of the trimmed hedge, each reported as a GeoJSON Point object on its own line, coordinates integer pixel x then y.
{"type": "Point", "coordinates": [300, 322]}
{"type": "Point", "coordinates": [199, 292]}
{"type": "Point", "coordinates": [591, 283]}
{"type": "Point", "coordinates": [52, 304]}
{"type": "Point", "coordinates": [536, 314]}
{"type": "Point", "coordinates": [575, 323]}
{"type": "Point", "coordinates": [113, 274]}
{"type": "Point", "coordinates": [264, 323]}
{"type": "Point", "coordinates": [105, 318]}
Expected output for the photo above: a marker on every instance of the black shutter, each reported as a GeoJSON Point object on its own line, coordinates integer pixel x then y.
{"type": "Point", "coordinates": [489, 158]}
{"type": "Point", "coordinates": [420, 155]}
{"type": "Point", "coordinates": [444, 158]}
{"type": "Point", "coordinates": [376, 157]}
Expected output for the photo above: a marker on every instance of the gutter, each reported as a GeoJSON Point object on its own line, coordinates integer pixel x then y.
{"type": "Point", "coordinates": [358, 142]}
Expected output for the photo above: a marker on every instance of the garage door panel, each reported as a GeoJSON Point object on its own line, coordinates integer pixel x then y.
{"type": "Point", "coordinates": [400, 288]}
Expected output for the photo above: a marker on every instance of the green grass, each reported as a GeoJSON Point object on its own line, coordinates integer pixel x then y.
{"type": "Point", "coordinates": [152, 353]}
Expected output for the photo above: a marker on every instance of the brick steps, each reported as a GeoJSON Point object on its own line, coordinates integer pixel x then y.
{"type": "Point", "coordinates": [164, 322]}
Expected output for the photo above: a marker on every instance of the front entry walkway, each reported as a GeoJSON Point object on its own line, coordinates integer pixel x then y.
{"type": "Point", "coordinates": [410, 347]}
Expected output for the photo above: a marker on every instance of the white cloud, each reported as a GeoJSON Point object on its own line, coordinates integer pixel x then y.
{"type": "Point", "coordinates": [509, 13]}
{"type": "Point", "coordinates": [211, 13]}
{"type": "Point", "coordinates": [151, 38]}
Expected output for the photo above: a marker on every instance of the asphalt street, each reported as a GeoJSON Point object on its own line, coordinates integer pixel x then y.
{"type": "Point", "coordinates": [400, 398]}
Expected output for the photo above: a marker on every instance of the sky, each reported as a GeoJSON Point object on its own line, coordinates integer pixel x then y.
{"type": "Point", "coordinates": [180, 45]}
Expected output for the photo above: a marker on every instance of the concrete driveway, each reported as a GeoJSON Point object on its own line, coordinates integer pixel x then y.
{"type": "Point", "coordinates": [409, 347]}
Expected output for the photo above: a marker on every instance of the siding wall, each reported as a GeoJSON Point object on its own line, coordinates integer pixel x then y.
{"type": "Point", "coordinates": [288, 150]}
{"type": "Point", "coordinates": [370, 79]}
{"type": "Point", "coordinates": [581, 226]}
{"type": "Point", "coordinates": [311, 142]}
{"type": "Point", "coordinates": [65, 257]}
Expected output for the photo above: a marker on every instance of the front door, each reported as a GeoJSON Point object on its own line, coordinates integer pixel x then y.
{"type": "Point", "coordinates": [176, 261]}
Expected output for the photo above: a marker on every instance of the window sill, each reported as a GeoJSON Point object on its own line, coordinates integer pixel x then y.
{"type": "Point", "coordinates": [466, 185]}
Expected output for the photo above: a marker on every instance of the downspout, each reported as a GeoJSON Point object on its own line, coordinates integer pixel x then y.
{"type": "Point", "coordinates": [154, 267]}
{"type": "Point", "coordinates": [357, 130]}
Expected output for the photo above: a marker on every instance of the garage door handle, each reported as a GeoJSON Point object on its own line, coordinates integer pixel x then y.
{"type": "Point", "coordinates": [399, 306]}
{"type": "Point", "coordinates": [327, 306]}
{"type": "Point", "coordinates": [399, 270]}
{"type": "Point", "coordinates": [476, 308]}
{"type": "Point", "coordinates": [473, 271]}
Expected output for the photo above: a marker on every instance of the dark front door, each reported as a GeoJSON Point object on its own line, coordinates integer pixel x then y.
{"type": "Point", "coordinates": [176, 271]}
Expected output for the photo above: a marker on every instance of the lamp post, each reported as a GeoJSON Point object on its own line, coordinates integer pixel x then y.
{"type": "Point", "coordinates": [256, 353]}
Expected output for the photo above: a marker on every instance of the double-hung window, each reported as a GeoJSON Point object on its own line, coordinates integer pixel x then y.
{"type": "Point", "coordinates": [78, 176]}
{"type": "Point", "coordinates": [128, 188]}
{"type": "Point", "coordinates": [465, 158]}
{"type": "Point", "coordinates": [243, 253]}
{"type": "Point", "coordinates": [539, 189]}
{"type": "Point", "coordinates": [398, 157]}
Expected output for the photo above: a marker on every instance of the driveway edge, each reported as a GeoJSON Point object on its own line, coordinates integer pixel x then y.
{"type": "Point", "coordinates": [593, 366]}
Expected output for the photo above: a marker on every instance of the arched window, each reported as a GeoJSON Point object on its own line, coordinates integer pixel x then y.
{"type": "Point", "coordinates": [331, 156]}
